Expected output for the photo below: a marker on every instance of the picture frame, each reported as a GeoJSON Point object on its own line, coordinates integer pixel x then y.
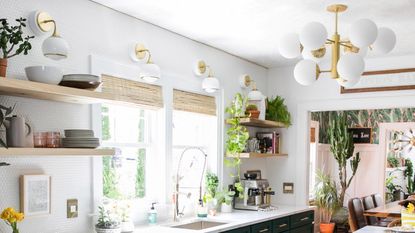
{"type": "Point", "coordinates": [362, 135]}
{"type": "Point", "coordinates": [35, 195]}
{"type": "Point", "coordinates": [384, 80]}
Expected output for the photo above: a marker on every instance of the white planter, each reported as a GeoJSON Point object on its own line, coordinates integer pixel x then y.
{"type": "Point", "coordinates": [100, 230]}
{"type": "Point", "coordinates": [127, 227]}
{"type": "Point", "coordinates": [224, 208]}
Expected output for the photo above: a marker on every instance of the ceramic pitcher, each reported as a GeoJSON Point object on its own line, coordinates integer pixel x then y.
{"type": "Point", "coordinates": [16, 133]}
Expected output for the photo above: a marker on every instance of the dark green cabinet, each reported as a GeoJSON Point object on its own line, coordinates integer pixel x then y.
{"type": "Point", "coordinates": [301, 219]}
{"type": "Point", "coordinates": [264, 227]}
{"type": "Point", "coordinates": [304, 229]}
{"type": "Point", "coordinates": [281, 225]}
{"type": "Point", "coordinates": [240, 230]}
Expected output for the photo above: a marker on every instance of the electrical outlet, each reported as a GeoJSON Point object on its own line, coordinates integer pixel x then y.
{"type": "Point", "coordinates": [288, 188]}
{"type": "Point", "coordinates": [72, 208]}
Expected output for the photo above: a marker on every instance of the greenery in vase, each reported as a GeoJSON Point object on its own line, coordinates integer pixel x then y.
{"type": "Point", "coordinates": [11, 218]}
{"type": "Point", "coordinates": [409, 174]}
{"type": "Point", "coordinates": [278, 111]}
{"type": "Point", "coordinates": [211, 185]}
{"type": "Point", "coordinates": [106, 220]}
{"type": "Point", "coordinates": [237, 138]}
{"type": "Point", "coordinates": [5, 112]}
{"type": "Point", "coordinates": [12, 40]}
{"type": "Point", "coordinates": [342, 148]}
{"type": "Point", "coordinates": [326, 196]}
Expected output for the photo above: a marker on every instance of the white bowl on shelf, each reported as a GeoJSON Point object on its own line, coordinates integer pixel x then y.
{"type": "Point", "coordinates": [44, 74]}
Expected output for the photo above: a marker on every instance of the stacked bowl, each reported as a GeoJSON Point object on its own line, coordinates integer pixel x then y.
{"type": "Point", "coordinates": [80, 138]}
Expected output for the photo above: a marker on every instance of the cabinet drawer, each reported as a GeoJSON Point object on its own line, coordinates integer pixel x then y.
{"type": "Point", "coordinates": [265, 227]}
{"type": "Point", "coordinates": [304, 229]}
{"type": "Point", "coordinates": [281, 224]}
{"type": "Point", "coordinates": [240, 230]}
{"type": "Point", "coordinates": [301, 219]}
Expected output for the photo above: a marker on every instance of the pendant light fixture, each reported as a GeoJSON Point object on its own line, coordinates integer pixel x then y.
{"type": "Point", "coordinates": [149, 72]}
{"type": "Point", "coordinates": [345, 68]}
{"type": "Point", "coordinates": [210, 84]}
{"type": "Point", "coordinates": [54, 47]}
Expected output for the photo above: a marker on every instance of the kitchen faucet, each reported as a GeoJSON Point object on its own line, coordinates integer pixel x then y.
{"type": "Point", "coordinates": [177, 212]}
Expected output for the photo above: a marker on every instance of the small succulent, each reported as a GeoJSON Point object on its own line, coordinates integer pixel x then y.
{"type": "Point", "coordinates": [12, 40]}
{"type": "Point", "coordinates": [105, 220]}
{"type": "Point", "coordinates": [251, 107]}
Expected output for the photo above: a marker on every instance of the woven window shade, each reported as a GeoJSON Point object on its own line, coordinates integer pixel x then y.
{"type": "Point", "coordinates": [191, 102]}
{"type": "Point", "coordinates": [130, 91]}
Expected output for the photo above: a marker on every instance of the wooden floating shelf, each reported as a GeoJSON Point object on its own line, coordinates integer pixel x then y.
{"type": "Point", "coordinates": [36, 90]}
{"type": "Point", "coordinates": [260, 123]}
{"type": "Point", "coordinates": [256, 155]}
{"type": "Point", "coordinates": [55, 152]}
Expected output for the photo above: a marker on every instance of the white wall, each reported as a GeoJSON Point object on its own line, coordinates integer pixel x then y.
{"type": "Point", "coordinates": [324, 95]}
{"type": "Point", "coordinates": [93, 29]}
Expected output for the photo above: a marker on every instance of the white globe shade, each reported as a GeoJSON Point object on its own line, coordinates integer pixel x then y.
{"type": "Point", "coordinates": [313, 35]}
{"type": "Point", "coordinates": [363, 32]}
{"type": "Point", "coordinates": [348, 82]}
{"type": "Point", "coordinates": [289, 46]}
{"type": "Point", "coordinates": [55, 48]}
{"type": "Point", "coordinates": [386, 40]}
{"type": "Point", "coordinates": [210, 84]}
{"type": "Point", "coordinates": [350, 65]}
{"type": "Point", "coordinates": [150, 72]}
{"type": "Point", "coordinates": [305, 72]}
{"type": "Point", "coordinates": [255, 95]}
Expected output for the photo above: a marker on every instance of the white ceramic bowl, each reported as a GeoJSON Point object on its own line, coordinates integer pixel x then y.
{"type": "Point", "coordinates": [44, 74]}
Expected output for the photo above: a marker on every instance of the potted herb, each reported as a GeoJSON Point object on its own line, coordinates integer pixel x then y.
{"type": "Point", "coordinates": [326, 200]}
{"type": "Point", "coordinates": [107, 222]}
{"type": "Point", "coordinates": [252, 111]}
{"type": "Point", "coordinates": [211, 185]}
{"type": "Point", "coordinates": [225, 199]}
{"type": "Point", "coordinates": [12, 42]}
{"type": "Point", "coordinates": [278, 111]}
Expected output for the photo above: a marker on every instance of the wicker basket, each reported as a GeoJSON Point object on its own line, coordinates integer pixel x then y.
{"type": "Point", "coordinates": [101, 230]}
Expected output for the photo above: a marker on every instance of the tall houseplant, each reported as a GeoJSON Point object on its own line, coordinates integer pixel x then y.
{"type": "Point", "coordinates": [342, 148]}
{"type": "Point", "coordinates": [237, 138]}
{"type": "Point", "coordinates": [326, 199]}
{"type": "Point", "coordinates": [12, 42]}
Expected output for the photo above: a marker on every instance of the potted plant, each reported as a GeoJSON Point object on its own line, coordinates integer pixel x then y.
{"type": "Point", "coordinates": [11, 218]}
{"type": "Point", "coordinates": [107, 222]}
{"type": "Point", "coordinates": [124, 211]}
{"type": "Point", "coordinates": [252, 111]}
{"type": "Point", "coordinates": [211, 185]}
{"type": "Point", "coordinates": [326, 200]}
{"type": "Point", "coordinates": [278, 111]}
{"type": "Point", "coordinates": [12, 42]}
{"type": "Point", "coordinates": [225, 199]}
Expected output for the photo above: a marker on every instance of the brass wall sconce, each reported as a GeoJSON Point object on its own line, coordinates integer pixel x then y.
{"type": "Point", "coordinates": [150, 72]}
{"type": "Point", "coordinates": [210, 84]}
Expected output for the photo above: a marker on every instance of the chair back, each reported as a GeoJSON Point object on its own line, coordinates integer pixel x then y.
{"type": "Point", "coordinates": [356, 218]}
{"type": "Point", "coordinates": [368, 203]}
{"type": "Point", "coordinates": [377, 199]}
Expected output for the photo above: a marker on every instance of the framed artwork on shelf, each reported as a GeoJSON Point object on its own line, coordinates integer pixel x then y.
{"type": "Point", "coordinates": [383, 80]}
{"type": "Point", "coordinates": [35, 195]}
{"type": "Point", "coordinates": [269, 142]}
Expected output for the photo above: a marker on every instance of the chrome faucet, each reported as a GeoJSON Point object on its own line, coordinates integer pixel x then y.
{"type": "Point", "coordinates": [177, 212]}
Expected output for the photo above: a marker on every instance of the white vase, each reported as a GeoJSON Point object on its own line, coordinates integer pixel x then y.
{"type": "Point", "coordinates": [225, 208]}
{"type": "Point", "coordinates": [127, 227]}
{"type": "Point", "coordinates": [102, 230]}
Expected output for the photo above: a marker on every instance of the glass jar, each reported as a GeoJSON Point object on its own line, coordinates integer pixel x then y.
{"type": "Point", "coordinates": [39, 139]}
{"type": "Point", "coordinates": [53, 139]}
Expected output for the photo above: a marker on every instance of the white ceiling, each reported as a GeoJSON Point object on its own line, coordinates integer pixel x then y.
{"type": "Point", "coordinates": [251, 28]}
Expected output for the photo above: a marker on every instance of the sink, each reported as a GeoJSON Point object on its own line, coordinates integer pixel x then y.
{"type": "Point", "coordinates": [198, 225]}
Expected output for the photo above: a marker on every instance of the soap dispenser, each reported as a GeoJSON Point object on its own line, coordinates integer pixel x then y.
{"type": "Point", "coordinates": [152, 214]}
{"type": "Point", "coordinates": [201, 210]}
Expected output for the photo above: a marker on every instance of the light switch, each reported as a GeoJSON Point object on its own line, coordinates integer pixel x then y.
{"type": "Point", "coordinates": [288, 187]}
{"type": "Point", "coordinates": [72, 208]}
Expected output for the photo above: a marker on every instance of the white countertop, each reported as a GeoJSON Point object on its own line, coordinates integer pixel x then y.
{"type": "Point", "coordinates": [372, 229]}
{"type": "Point", "coordinates": [236, 219]}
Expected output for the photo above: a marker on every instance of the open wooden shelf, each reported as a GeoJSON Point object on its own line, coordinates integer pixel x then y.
{"type": "Point", "coordinates": [256, 155]}
{"type": "Point", "coordinates": [260, 123]}
{"type": "Point", "coordinates": [36, 90]}
{"type": "Point", "coordinates": [55, 152]}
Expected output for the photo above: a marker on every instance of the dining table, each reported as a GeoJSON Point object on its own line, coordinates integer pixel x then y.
{"type": "Point", "coordinates": [389, 210]}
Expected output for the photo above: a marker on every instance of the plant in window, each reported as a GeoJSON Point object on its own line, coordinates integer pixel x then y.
{"type": "Point", "coordinates": [393, 161]}
{"type": "Point", "coordinates": [278, 111]}
{"type": "Point", "coordinates": [326, 200]}
{"type": "Point", "coordinates": [409, 174]}
{"type": "Point", "coordinates": [107, 222]}
{"type": "Point", "coordinates": [237, 138]}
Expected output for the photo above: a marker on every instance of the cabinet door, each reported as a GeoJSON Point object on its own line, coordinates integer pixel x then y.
{"type": "Point", "coordinates": [265, 227]}
{"type": "Point", "coordinates": [301, 219]}
{"type": "Point", "coordinates": [304, 229]}
{"type": "Point", "coordinates": [240, 230]}
{"type": "Point", "coordinates": [281, 225]}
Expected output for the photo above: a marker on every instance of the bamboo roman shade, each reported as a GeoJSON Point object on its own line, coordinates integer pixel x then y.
{"type": "Point", "coordinates": [191, 102]}
{"type": "Point", "coordinates": [135, 92]}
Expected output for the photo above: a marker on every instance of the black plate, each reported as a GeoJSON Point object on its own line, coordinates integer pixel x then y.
{"type": "Point", "coordinates": [81, 84]}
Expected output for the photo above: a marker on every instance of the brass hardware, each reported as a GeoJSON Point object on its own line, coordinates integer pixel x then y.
{"type": "Point", "coordinates": [202, 68]}
{"type": "Point", "coordinates": [46, 23]}
{"type": "Point", "coordinates": [336, 8]}
{"type": "Point", "coordinates": [319, 53]}
{"type": "Point", "coordinates": [264, 230]}
{"type": "Point", "coordinates": [318, 72]}
{"type": "Point", "coordinates": [283, 225]}
{"type": "Point", "coordinates": [141, 53]}
{"type": "Point", "coordinates": [247, 80]}
{"type": "Point", "coordinates": [349, 47]}
{"type": "Point", "coordinates": [304, 219]}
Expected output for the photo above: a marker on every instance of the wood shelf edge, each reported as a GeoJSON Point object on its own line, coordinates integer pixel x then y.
{"type": "Point", "coordinates": [56, 152]}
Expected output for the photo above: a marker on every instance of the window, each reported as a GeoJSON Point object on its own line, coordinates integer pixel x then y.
{"type": "Point", "coordinates": [127, 129]}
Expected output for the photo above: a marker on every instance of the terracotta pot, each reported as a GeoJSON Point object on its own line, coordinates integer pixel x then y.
{"type": "Point", "coordinates": [3, 67]}
{"type": "Point", "coordinates": [327, 227]}
{"type": "Point", "coordinates": [253, 114]}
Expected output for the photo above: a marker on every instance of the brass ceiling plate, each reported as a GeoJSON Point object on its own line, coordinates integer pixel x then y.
{"type": "Point", "coordinates": [247, 80]}
{"type": "Point", "coordinates": [40, 20]}
{"type": "Point", "coordinates": [201, 66]}
{"type": "Point", "coordinates": [337, 8]}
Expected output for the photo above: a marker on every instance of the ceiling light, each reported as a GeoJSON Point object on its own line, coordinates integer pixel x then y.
{"type": "Point", "coordinates": [149, 72]}
{"type": "Point", "coordinates": [54, 47]}
{"type": "Point", "coordinates": [210, 84]}
{"type": "Point", "coordinates": [346, 68]}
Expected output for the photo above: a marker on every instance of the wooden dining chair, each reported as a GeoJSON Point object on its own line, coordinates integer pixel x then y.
{"type": "Point", "coordinates": [368, 203]}
{"type": "Point", "coordinates": [356, 218]}
{"type": "Point", "coordinates": [377, 199]}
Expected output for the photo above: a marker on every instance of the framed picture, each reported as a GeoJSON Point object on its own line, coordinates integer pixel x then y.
{"type": "Point", "coordinates": [35, 194]}
{"type": "Point", "coordinates": [362, 135]}
{"type": "Point", "coordinates": [384, 80]}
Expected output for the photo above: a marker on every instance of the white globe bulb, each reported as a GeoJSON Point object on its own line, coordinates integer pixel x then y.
{"type": "Point", "coordinates": [210, 84]}
{"type": "Point", "coordinates": [350, 65]}
{"type": "Point", "coordinates": [363, 32]}
{"type": "Point", "coordinates": [348, 82]}
{"type": "Point", "coordinates": [313, 35]}
{"type": "Point", "coordinates": [386, 40]}
{"type": "Point", "coordinates": [305, 72]}
{"type": "Point", "coordinates": [289, 45]}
